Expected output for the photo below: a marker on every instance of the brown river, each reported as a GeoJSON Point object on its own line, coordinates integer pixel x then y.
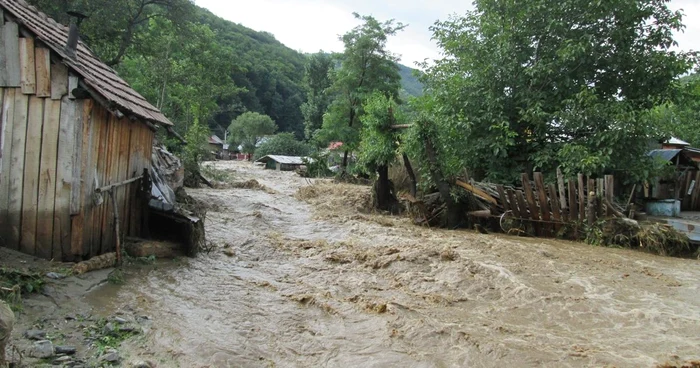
{"type": "Point", "coordinates": [294, 283]}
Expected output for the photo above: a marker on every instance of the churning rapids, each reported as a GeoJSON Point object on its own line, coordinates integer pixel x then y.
{"type": "Point", "coordinates": [319, 284]}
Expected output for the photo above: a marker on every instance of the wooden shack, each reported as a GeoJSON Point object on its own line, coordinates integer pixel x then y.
{"type": "Point", "coordinates": [72, 134]}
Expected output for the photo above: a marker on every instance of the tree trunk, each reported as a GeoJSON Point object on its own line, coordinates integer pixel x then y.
{"type": "Point", "coordinates": [454, 217]}
{"type": "Point", "coordinates": [383, 197]}
{"type": "Point", "coordinates": [411, 175]}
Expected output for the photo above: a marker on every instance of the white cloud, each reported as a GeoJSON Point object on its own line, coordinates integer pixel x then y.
{"type": "Point", "coordinates": [313, 25]}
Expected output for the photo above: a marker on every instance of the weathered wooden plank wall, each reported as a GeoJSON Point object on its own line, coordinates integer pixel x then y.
{"type": "Point", "coordinates": [55, 150]}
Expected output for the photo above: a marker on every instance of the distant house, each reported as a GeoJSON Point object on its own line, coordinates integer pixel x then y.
{"type": "Point", "coordinates": [282, 163]}
{"type": "Point", "coordinates": [682, 185]}
{"type": "Point", "coordinates": [72, 134]}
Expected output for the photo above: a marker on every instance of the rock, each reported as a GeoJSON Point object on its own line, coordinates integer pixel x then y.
{"type": "Point", "coordinates": [110, 357]}
{"type": "Point", "coordinates": [120, 320]}
{"type": "Point", "coordinates": [127, 328]}
{"type": "Point", "coordinates": [55, 276]}
{"type": "Point", "coordinates": [141, 364]}
{"type": "Point", "coordinates": [62, 360]}
{"type": "Point", "coordinates": [109, 329]}
{"type": "Point", "coordinates": [229, 252]}
{"type": "Point", "coordinates": [35, 334]}
{"type": "Point", "coordinates": [7, 321]}
{"type": "Point", "coordinates": [42, 349]}
{"type": "Point", "coordinates": [69, 350]}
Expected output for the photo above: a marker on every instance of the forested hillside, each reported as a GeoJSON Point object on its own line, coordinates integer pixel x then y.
{"type": "Point", "coordinates": [195, 65]}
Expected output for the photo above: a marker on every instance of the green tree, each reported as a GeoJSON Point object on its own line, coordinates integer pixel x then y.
{"type": "Point", "coordinates": [681, 118]}
{"type": "Point", "coordinates": [318, 80]}
{"type": "Point", "coordinates": [538, 84]}
{"type": "Point", "coordinates": [282, 144]}
{"type": "Point", "coordinates": [194, 152]}
{"type": "Point", "coordinates": [365, 67]}
{"type": "Point", "coordinates": [379, 146]}
{"type": "Point", "coordinates": [248, 130]}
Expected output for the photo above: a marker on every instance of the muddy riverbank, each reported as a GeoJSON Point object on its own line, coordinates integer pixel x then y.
{"type": "Point", "coordinates": [311, 280]}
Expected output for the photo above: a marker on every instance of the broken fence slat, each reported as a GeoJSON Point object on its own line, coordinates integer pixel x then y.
{"type": "Point", "coordinates": [513, 203]}
{"type": "Point", "coordinates": [573, 207]}
{"type": "Point", "coordinates": [477, 192]}
{"type": "Point", "coordinates": [502, 196]}
{"type": "Point", "coordinates": [581, 198]}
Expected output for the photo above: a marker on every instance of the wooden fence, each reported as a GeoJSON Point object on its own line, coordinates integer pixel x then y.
{"type": "Point", "coordinates": [546, 208]}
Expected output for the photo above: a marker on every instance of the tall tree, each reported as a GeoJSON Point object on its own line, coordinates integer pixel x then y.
{"type": "Point", "coordinates": [366, 66]}
{"type": "Point", "coordinates": [318, 80]}
{"type": "Point", "coordinates": [379, 146]}
{"type": "Point", "coordinates": [248, 130]}
{"type": "Point", "coordinates": [537, 84]}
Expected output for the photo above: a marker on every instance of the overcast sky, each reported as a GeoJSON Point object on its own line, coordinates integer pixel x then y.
{"type": "Point", "coordinates": [313, 25]}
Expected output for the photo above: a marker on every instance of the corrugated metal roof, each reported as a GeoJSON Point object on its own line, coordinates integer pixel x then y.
{"type": "Point", "coordinates": [288, 160]}
{"type": "Point", "coordinates": [96, 74]}
{"type": "Point", "coordinates": [215, 140]}
{"type": "Point", "coordinates": [665, 154]}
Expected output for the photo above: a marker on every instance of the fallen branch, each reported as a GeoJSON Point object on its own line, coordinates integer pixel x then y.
{"type": "Point", "coordinates": [477, 192]}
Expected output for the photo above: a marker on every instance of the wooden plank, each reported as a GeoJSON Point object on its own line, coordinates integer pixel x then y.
{"type": "Point", "coordinates": [101, 153]}
{"type": "Point", "coordinates": [32, 160]}
{"type": "Point", "coordinates": [591, 203]}
{"type": "Point", "coordinates": [80, 233]}
{"type": "Point", "coordinates": [476, 191]}
{"type": "Point", "coordinates": [133, 192]}
{"type": "Point", "coordinates": [72, 116]}
{"type": "Point", "coordinates": [502, 196]}
{"type": "Point", "coordinates": [27, 70]}
{"type": "Point", "coordinates": [6, 119]}
{"type": "Point", "coordinates": [10, 68]}
{"type": "Point", "coordinates": [522, 204]}
{"type": "Point", "coordinates": [556, 209]}
{"type": "Point", "coordinates": [513, 203]}
{"type": "Point", "coordinates": [124, 175]}
{"type": "Point", "coordinates": [46, 248]}
{"type": "Point", "coordinates": [562, 191]}
{"type": "Point", "coordinates": [573, 208]}
{"type": "Point", "coordinates": [542, 196]}
{"type": "Point", "coordinates": [609, 192]}
{"type": "Point", "coordinates": [106, 225]}
{"type": "Point", "coordinates": [600, 193]}
{"type": "Point", "coordinates": [581, 199]}
{"type": "Point", "coordinates": [59, 81]}
{"type": "Point", "coordinates": [43, 71]}
{"type": "Point", "coordinates": [70, 122]}
{"type": "Point", "coordinates": [3, 69]}
{"type": "Point", "coordinates": [527, 188]}
{"type": "Point", "coordinates": [19, 137]}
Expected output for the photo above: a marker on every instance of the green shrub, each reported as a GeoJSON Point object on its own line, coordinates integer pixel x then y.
{"type": "Point", "coordinates": [284, 144]}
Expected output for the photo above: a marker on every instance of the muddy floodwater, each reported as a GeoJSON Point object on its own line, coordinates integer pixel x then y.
{"type": "Point", "coordinates": [321, 284]}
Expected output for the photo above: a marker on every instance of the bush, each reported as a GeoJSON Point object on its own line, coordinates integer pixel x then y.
{"type": "Point", "coordinates": [282, 144]}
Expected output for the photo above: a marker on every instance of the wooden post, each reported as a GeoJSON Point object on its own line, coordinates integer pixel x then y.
{"type": "Point", "coordinates": [115, 211]}
{"type": "Point", "coordinates": [609, 192]}
{"type": "Point", "coordinates": [573, 208]}
{"type": "Point", "coordinates": [591, 208]}
{"type": "Point", "coordinates": [581, 198]}
{"type": "Point", "coordinates": [600, 193]}
{"type": "Point", "coordinates": [522, 204]}
{"type": "Point", "coordinates": [562, 190]}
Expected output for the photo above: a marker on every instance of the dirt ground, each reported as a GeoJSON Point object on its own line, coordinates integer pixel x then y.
{"type": "Point", "coordinates": [300, 276]}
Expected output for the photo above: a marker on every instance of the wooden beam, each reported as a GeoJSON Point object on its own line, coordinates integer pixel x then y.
{"type": "Point", "coordinates": [43, 71]}
{"type": "Point", "coordinates": [27, 65]}
{"type": "Point", "coordinates": [68, 144]}
{"type": "Point", "coordinates": [562, 190]}
{"type": "Point", "coordinates": [477, 192]}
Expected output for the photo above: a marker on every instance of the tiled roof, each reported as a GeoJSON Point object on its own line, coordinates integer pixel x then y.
{"type": "Point", "coordinates": [96, 74]}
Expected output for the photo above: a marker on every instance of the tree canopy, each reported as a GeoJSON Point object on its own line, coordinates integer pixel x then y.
{"type": "Point", "coordinates": [282, 144]}
{"type": "Point", "coordinates": [248, 129]}
{"type": "Point", "coordinates": [544, 83]}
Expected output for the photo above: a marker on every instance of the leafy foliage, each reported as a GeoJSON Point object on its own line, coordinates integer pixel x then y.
{"type": "Point", "coordinates": [538, 84]}
{"type": "Point", "coordinates": [681, 118]}
{"type": "Point", "coordinates": [195, 151]}
{"type": "Point", "coordinates": [365, 67]}
{"type": "Point", "coordinates": [318, 80]}
{"type": "Point", "coordinates": [248, 130]}
{"type": "Point", "coordinates": [282, 144]}
{"type": "Point", "coordinates": [379, 144]}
